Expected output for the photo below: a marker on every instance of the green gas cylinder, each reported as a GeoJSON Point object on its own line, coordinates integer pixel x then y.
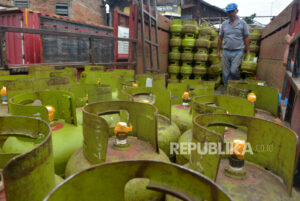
{"type": "Point", "coordinates": [214, 104]}
{"type": "Point", "coordinates": [167, 130]}
{"type": "Point", "coordinates": [181, 110]}
{"type": "Point", "coordinates": [259, 167]}
{"type": "Point", "coordinates": [135, 139]}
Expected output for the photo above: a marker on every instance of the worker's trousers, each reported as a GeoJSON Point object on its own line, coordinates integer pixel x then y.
{"type": "Point", "coordinates": [231, 61]}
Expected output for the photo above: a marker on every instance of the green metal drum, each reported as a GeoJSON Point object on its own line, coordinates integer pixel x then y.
{"type": "Point", "coordinates": [99, 147]}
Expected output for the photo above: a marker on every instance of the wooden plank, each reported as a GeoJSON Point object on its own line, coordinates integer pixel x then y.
{"type": "Point", "coordinates": [62, 33]}
{"type": "Point", "coordinates": [295, 82]}
{"type": "Point", "coordinates": [272, 71]}
{"type": "Point", "coordinates": [296, 116]}
{"type": "Point", "coordinates": [273, 47]}
{"type": "Point", "coordinates": [72, 64]}
{"type": "Point", "coordinates": [280, 20]}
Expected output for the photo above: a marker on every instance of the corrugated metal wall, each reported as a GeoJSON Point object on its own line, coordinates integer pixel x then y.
{"type": "Point", "coordinates": [52, 49]}
{"type": "Point", "coordinates": [13, 40]}
{"type": "Point", "coordinates": [32, 42]}
{"type": "Point", "coordinates": [66, 49]}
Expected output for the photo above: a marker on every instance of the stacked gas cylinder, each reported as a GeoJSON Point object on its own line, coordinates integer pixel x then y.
{"type": "Point", "coordinates": [215, 66]}
{"type": "Point", "coordinates": [249, 64]}
{"type": "Point", "coordinates": [174, 54]}
{"type": "Point", "coordinates": [201, 55]}
{"type": "Point", "coordinates": [190, 30]}
{"type": "Point", "coordinates": [195, 54]}
{"type": "Point", "coordinates": [182, 40]}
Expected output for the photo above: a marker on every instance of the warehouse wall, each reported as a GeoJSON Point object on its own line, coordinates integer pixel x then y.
{"type": "Point", "coordinates": [83, 10]}
{"type": "Point", "coordinates": [89, 10]}
{"type": "Point", "coordinates": [163, 40]}
{"type": "Point", "coordinates": [270, 63]}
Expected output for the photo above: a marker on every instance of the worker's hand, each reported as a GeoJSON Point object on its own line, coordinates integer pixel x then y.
{"type": "Point", "coordinates": [289, 38]}
{"type": "Point", "coordinates": [219, 55]}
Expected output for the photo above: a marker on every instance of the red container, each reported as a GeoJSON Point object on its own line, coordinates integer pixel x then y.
{"type": "Point", "coordinates": [27, 48]}
{"type": "Point", "coordinates": [295, 19]}
{"type": "Point", "coordinates": [120, 20]}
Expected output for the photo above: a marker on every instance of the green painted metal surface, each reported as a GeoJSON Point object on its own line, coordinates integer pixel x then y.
{"type": "Point", "coordinates": [182, 116]}
{"type": "Point", "coordinates": [62, 101]}
{"type": "Point", "coordinates": [158, 80]}
{"type": "Point", "coordinates": [281, 161]}
{"type": "Point", "coordinates": [185, 138]}
{"type": "Point", "coordinates": [40, 71]}
{"type": "Point", "coordinates": [206, 164]}
{"type": "Point", "coordinates": [7, 78]}
{"type": "Point", "coordinates": [96, 129]}
{"type": "Point", "coordinates": [111, 78]}
{"type": "Point", "coordinates": [80, 91]}
{"type": "Point", "coordinates": [162, 98]}
{"type": "Point", "coordinates": [266, 97]}
{"type": "Point", "coordinates": [62, 151]}
{"type": "Point", "coordinates": [71, 73]}
{"type": "Point", "coordinates": [4, 72]}
{"type": "Point", "coordinates": [10, 81]}
{"type": "Point", "coordinates": [214, 104]}
{"type": "Point", "coordinates": [31, 84]}
{"type": "Point", "coordinates": [168, 131]}
{"type": "Point", "coordinates": [125, 73]}
{"type": "Point", "coordinates": [94, 68]}
{"type": "Point", "coordinates": [107, 182]}
{"type": "Point", "coordinates": [65, 123]}
{"type": "Point", "coordinates": [222, 104]}
{"type": "Point", "coordinates": [199, 88]}
{"type": "Point", "coordinates": [54, 83]}
{"type": "Point", "coordinates": [91, 74]}
{"type": "Point", "coordinates": [29, 174]}
{"type": "Point", "coordinates": [98, 142]}
{"type": "Point", "coordinates": [19, 86]}
{"type": "Point", "coordinates": [95, 93]}
{"type": "Point", "coordinates": [100, 93]}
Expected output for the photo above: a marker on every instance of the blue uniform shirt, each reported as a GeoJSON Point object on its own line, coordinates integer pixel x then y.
{"type": "Point", "coordinates": [234, 34]}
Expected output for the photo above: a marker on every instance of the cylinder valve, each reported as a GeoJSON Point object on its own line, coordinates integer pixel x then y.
{"type": "Point", "coordinates": [4, 95]}
{"type": "Point", "coordinates": [186, 98]}
{"type": "Point", "coordinates": [51, 111]}
{"type": "Point", "coordinates": [252, 97]}
{"type": "Point", "coordinates": [121, 131]}
{"type": "Point", "coordinates": [236, 169]}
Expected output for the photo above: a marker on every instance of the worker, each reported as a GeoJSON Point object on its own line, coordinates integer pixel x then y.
{"type": "Point", "coordinates": [235, 33]}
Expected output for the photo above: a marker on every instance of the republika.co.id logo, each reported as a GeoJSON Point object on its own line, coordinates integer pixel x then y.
{"type": "Point", "coordinates": [212, 148]}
